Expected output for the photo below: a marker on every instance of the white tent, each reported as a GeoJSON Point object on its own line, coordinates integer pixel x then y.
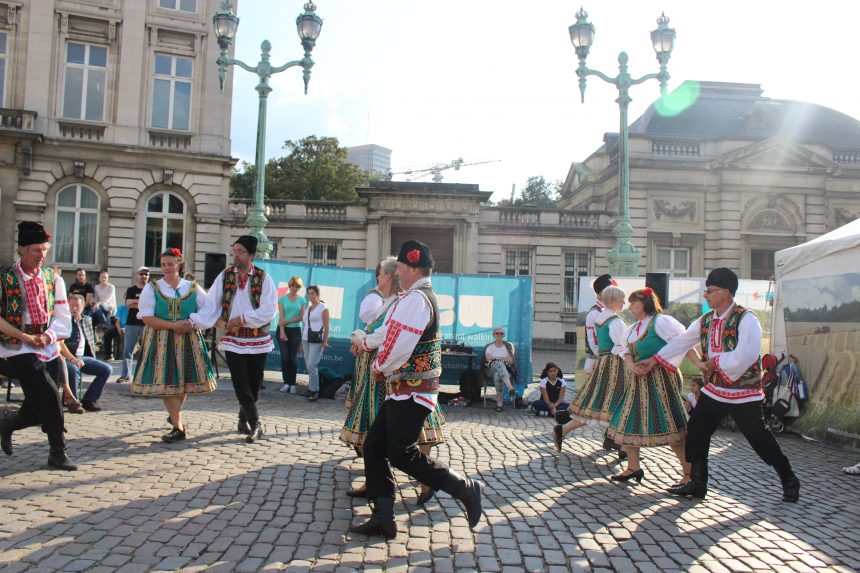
{"type": "Point", "coordinates": [836, 253]}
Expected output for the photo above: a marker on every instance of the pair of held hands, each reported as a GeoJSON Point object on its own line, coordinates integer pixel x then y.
{"type": "Point", "coordinates": [645, 366]}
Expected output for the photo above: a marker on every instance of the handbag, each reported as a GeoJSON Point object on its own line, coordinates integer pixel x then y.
{"type": "Point", "coordinates": [314, 335]}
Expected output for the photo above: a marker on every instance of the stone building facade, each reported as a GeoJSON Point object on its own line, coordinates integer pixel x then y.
{"type": "Point", "coordinates": [113, 130]}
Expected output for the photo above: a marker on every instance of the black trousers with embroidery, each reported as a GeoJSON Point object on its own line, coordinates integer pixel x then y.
{"type": "Point", "coordinates": [246, 371]}
{"type": "Point", "coordinates": [393, 439]}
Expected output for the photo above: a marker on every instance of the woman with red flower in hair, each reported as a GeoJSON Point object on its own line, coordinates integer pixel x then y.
{"type": "Point", "coordinates": [174, 360]}
{"type": "Point", "coordinates": [651, 411]}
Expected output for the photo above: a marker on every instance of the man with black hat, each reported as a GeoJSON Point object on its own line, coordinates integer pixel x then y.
{"type": "Point", "coordinates": [243, 301]}
{"type": "Point", "coordinates": [730, 338]}
{"type": "Point", "coordinates": [410, 359]}
{"type": "Point", "coordinates": [34, 316]}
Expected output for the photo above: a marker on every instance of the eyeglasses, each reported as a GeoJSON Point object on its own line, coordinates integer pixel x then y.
{"type": "Point", "coordinates": [712, 290]}
{"type": "Point", "coordinates": [142, 274]}
{"type": "Point", "coordinates": [499, 333]}
{"type": "Point", "coordinates": [240, 252]}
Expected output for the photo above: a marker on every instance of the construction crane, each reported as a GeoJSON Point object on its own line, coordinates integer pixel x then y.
{"type": "Point", "coordinates": [437, 169]}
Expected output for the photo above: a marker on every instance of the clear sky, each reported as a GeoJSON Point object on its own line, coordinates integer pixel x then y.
{"type": "Point", "coordinates": [495, 79]}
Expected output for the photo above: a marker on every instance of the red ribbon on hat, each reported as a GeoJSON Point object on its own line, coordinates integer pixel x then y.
{"type": "Point", "coordinates": [175, 252]}
{"type": "Point", "coordinates": [413, 256]}
{"type": "Point", "coordinates": [613, 283]}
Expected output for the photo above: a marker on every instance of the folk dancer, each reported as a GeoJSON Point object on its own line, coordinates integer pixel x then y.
{"type": "Point", "coordinates": [605, 385]}
{"type": "Point", "coordinates": [34, 316]}
{"type": "Point", "coordinates": [730, 337]}
{"type": "Point", "coordinates": [410, 358]}
{"type": "Point", "coordinates": [243, 301]}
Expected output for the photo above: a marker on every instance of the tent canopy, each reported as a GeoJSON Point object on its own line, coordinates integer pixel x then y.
{"type": "Point", "coordinates": [841, 239]}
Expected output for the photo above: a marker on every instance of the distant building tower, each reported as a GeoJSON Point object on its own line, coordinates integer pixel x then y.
{"type": "Point", "coordinates": [370, 157]}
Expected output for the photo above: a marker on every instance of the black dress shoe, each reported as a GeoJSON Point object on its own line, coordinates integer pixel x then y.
{"type": "Point", "coordinates": [175, 435]}
{"type": "Point", "coordinates": [471, 498]}
{"type": "Point", "coordinates": [689, 489]}
{"type": "Point", "coordinates": [59, 460]}
{"type": "Point", "coordinates": [622, 455]}
{"type": "Point", "coordinates": [425, 497]}
{"type": "Point", "coordinates": [791, 489]}
{"type": "Point", "coordinates": [91, 406]}
{"type": "Point", "coordinates": [255, 433]}
{"type": "Point", "coordinates": [638, 475]}
{"type": "Point", "coordinates": [6, 436]}
{"type": "Point", "coordinates": [357, 492]}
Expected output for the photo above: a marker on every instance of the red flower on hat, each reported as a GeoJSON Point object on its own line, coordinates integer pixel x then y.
{"type": "Point", "coordinates": [613, 283]}
{"type": "Point", "coordinates": [47, 235]}
{"type": "Point", "coordinates": [413, 256]}
{"type": "Point", "coordinates": [647, 291]}
{"type": "Point", "coordinates": [175, 252]}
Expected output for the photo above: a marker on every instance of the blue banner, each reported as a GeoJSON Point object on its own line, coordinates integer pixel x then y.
{"type": "Point", "coordinates": [470, 306]}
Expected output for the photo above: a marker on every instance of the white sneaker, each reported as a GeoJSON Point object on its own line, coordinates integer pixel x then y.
{"type": "Point", "coordinates": [284, 388]}
{"type": "Point", "coordinates": [293, 389]}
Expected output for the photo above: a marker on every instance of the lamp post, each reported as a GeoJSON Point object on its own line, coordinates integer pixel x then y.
{"type": "Point", "coordinates": [226, 24]}
{"type": "Point", "coordinates": [623, 257]}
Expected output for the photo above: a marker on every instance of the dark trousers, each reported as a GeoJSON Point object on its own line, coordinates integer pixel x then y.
{"type": "Point", "coordinates": [289, 353]}
{"type": "Point", "coordinates": [749, 417]}
{"type": "Point", "coordinates": [42, 404]}
{"type": "Point", "coordinates": [393, 438]}
{"type": "Point", "coordinates": [246, 371]}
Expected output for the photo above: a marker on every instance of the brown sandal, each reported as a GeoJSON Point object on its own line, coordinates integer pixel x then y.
{"type": "Point", "coordinates": [74, 406]}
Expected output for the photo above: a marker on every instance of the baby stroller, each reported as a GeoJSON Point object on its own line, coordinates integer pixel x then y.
{"type": "Point", "coordinates": [781, 406]}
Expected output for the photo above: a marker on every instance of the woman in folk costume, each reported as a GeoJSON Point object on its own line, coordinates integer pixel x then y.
{"type": "Point", "coordinates": [603, 390]}
{"type": "Point", "coordinates": [174, 359]}
{"type": "Point", "coordinates": [652, 410]}
{"type": "Point", "coordinates": [367, 394]}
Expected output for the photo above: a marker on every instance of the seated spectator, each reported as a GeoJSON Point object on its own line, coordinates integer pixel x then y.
{"type": "Point", "coordinates": [79, 352]}
{"type": "Point", "coordinates": [104, 301]}
{"type": "Point", "coordinates": [552, 390]}
{"type": "Point", "coordinates": [696, 385]}
{"type": "Point", "coordinates": [83, 288]}
{"type": "Point", "coordinates": [114, 332]}
{"type": "Point", "coordinates": [498, 364]}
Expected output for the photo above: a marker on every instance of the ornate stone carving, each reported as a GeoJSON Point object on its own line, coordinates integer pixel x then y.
{"type": "Point", "coordinates": [664, 208]}
{"type": "Point", "coordinates": [64, 24]}
{"type": "Point", "coordinates": [842, 216]}
{"type": "Point", "coordinates": [769, 220]}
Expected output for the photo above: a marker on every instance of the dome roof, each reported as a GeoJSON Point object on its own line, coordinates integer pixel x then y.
{"type": "Point", "coordinates": [723, 110]}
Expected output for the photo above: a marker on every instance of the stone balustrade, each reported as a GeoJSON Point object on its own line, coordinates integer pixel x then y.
{"type": "Point", "coordinates": [17, 119]}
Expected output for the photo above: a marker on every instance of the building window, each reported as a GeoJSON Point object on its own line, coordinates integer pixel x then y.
{"type": "Point", "coordinates": [165, 226]}
{"type": "Point", "coordinates": [761, 264]}
{"type": "Point", "coordinates": [324, 254]}
{"type": "Point", "coordinates": [77, 228]}
{"type": "Point", "coordinates": [570, 338]}
{"type": "Point", "coordinates": [181, 5]}
{"type": "Point", "coordinates": [576, 265]}
{"type": "Point", "coordinates": [674, 262]}
{"type": "Point", "coordinates": [4, 38]}
{"type": "Point", "coordinates": [171, 92]}
{"type": "Point", "coordinates": [518, 262]}
{"type": "Point", "coordinates": [84, 86]}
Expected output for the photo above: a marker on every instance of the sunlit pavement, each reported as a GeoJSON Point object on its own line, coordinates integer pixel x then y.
{"type": "Point", "coordinates": [215, 503]}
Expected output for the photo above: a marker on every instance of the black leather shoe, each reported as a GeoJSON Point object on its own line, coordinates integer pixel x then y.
{"type": "Point", "coordinates": [791, 489]}
{"type": "Point", "coordinates": [622, 455]}
{"type": "Point", "coordinates": [425, 497]}
{"type": "Point", "coordinates": [471, 498]}
{"type": "Point", "coordinates": [91, 406]}
{"type": "Point", "coordinates": [381, 522]}
{"type": "Point", "coordinates": [175, 435]}
{"type": "Point", "coordinates": [638, 475]}
{"type": "Point", "coordinates": [243, 427]}
{"type": "Point", "coordinates": [255, 433]}
{"type": "Point", "coordinates": [557, 436]}
{"type": "Point", "coordinates": [59, 460]}
{"type": "Point", "coordinates": [689, 489]}
{"type": "Point", "coordinates": [357, 492]}
{"type": "Point", "coordinates": [6, 436]}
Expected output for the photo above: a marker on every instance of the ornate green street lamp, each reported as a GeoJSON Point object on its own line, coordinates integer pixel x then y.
{"type": "Point", "coordinates": [623, 257]}
{"type": "Point", "coordinates": [226, 23]}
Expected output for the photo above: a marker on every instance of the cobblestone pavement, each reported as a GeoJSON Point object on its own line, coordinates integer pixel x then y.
{"type": "Point", "coordinates": [216, 503]}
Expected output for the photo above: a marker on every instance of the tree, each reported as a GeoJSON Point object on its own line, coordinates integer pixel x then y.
{"type": "Point", "coordinates": [537, 193]}
{"type": "Point", "coordinates": [314, 170]}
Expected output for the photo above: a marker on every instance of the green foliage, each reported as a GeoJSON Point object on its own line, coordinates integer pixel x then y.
{"type": "Point", "coordinates": [537, 193]}
{"type": "Point", "coordinates": [315, 169]}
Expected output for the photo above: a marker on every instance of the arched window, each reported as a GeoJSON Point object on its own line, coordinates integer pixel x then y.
{"type": "Point", "coordinates": [165, 226]}
{"type": "Point", "coordinates": [77, 229]}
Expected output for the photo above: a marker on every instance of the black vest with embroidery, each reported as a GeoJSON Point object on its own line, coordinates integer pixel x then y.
{"type": "Point", "coordinates": [420, 373]}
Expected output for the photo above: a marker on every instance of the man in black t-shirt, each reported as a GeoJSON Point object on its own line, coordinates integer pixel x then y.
{"type": "Point", "coordinates": [83, 288]}
{"type": "Point", "coordinates": [133, 325]}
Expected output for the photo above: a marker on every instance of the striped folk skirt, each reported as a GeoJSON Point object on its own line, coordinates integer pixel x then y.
{"type": "Point", "coordinates": [367, 396]}
{"type": "Point", "coordinates": [602, 392]}
{"type": "Point", "coordinates": [651, 412]}
{"type": "Point", "coordinates": [173, 364]}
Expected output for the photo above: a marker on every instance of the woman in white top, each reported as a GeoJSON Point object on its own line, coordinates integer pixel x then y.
{"type": "Point", "coordinates": [315, 330]}
{"type": "Point", "coordinates": [499, 364]}
{"type": "Point", "coordinates": [104, 300]}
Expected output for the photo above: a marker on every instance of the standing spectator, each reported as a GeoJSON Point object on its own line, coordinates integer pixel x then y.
{"type": "Point", "coordinates": [80, 356]}
{"type": "Point", "coordinates": [83, 288]}
{"type": "Point", "coordinates": [291, 309]}
{"type": "Point", "coordinates": [133, 324]}
{"type": "Point", "coordinates": [552, 390]}
{"type": "Point", "coordinates": [314, 338]}
{"type": "Point", "coordinates": [114, 332]}
{"type": "Point", "coordinates": [104, 301]}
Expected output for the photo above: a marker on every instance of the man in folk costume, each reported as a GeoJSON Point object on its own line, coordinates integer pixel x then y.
{"type": "Point", "coordinates": [34, 316]}
{"type": "Point", "coordinates": [730, 337]}
{"type": "Point", "coordinates": [410, 359]}
{"type": "Point", "coordinates": [243, 302]}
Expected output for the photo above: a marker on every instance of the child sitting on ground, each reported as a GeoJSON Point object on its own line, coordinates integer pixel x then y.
{"type": "Point", "coordinates": [696, 384]}
{"type": "Point", "coordinates": [552, 390]}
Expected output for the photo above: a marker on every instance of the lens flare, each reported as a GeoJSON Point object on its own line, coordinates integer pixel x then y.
{"type": "Point", "coordinates": [678, 100]}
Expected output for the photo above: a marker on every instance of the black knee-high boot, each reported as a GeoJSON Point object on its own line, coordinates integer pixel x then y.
{"type": "Point", "coordinates": [790, 483]}
{"type": "Point", "coordinates": [698, 485]}
{"type": "Point", "coordinates": [8, 425]}
{"type": "Point", "coordinates": [381, 522]}
{"type": "Point", "coordinates": [253, 421]}
{"type": "Point", "coordinates": [243, 426]}
{"type": "Point", "coordinates": [58, 458]}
